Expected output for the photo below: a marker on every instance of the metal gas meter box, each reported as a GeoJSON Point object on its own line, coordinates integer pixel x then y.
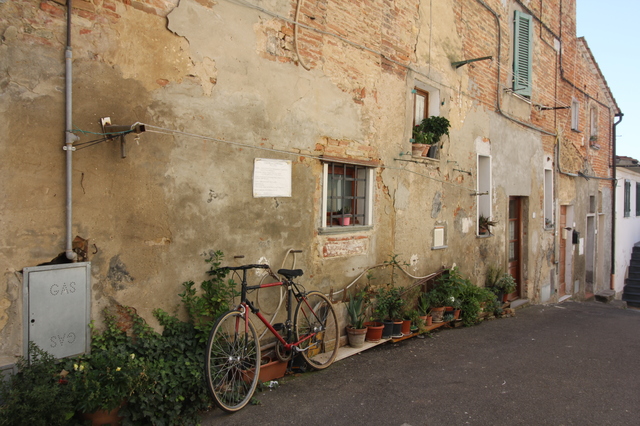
{"type": "Point", "coordinates": [56, 308]}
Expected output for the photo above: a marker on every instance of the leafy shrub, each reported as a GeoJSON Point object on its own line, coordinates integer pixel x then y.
{"type": "Point", "coordinates": [216, 298]}
{"type": "Point", "coordinates": [37, 395]}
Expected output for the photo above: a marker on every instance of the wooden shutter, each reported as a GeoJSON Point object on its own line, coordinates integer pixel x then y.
{"type": "Point", "coordinates": [627, 198]}
{"type": "Point", "coordinates": [522, 54]}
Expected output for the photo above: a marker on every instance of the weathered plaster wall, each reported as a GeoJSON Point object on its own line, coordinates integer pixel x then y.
{"type": "Point", "coordinates": [219, 84]}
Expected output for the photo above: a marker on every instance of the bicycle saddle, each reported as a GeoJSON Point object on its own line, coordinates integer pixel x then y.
{"type": "Point", "coordinates": [290, 273]}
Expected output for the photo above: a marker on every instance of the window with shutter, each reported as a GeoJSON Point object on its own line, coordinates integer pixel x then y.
{"type": "Point", "coordinates": [627, 198]}
{"type": "Point", "coordinates": [522, 54]}
{"type": "Point", "coordinates": [637, 198]}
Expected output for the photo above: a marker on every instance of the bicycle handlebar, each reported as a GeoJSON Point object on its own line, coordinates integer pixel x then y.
{"type": "Point", "coordinates": [242, 268]}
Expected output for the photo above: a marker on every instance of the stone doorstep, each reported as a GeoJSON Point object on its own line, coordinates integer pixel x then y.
{"type": "Point", "coordinates": [605, 296]}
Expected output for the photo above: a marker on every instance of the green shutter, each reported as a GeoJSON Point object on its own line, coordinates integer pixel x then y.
{"type": "Point", "coordinates": [522, 54]}
{"type": "Point", "coordinates": [627, 198]}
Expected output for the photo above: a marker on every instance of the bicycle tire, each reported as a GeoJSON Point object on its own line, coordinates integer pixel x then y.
{"type": "Point", "coordinates": [315, 314]}
{"type": "Point", "coordinates": [232, 364]}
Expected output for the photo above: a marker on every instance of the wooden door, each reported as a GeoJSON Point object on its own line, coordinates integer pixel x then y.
{"type": "Point", "coordinates": [514, 233]}
{"type": "Point", "coordinates": [562, 287]}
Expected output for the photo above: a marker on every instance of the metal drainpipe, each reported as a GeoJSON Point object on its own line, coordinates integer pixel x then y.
{"type": "Point", "coordinates": [614, 184]}
{"type": "Point", "coordinates": [70, 138]}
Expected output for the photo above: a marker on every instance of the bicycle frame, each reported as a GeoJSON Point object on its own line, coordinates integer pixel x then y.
{"type": "Point", "coordinates": [246, 303]}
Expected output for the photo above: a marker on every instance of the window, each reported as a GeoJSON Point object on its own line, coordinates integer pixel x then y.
{"type": "Point", "coordinates": [484, 188]}
{"type": "Point", "coordinates": [522, 54]}
{"type": "Point", "coordinates": [593, 126]}
{"type": "Point", "coordinates": [637, 198]}
{"type": "Point", "coordinates": [548, 198]}
{"type": "Point", "coordinates": [420, 106]}
{"type": "Point", "coordinates": [347, 195]}
{"type": "Point", "coordinates": [627, 198]}
{"type": "Point", "coordinates": [575, 114]}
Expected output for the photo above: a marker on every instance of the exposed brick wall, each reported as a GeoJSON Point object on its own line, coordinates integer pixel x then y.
{"type": "Point", "coordinates": [557, 79]}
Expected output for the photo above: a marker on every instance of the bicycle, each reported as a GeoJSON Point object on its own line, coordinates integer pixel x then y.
{"type": "Point", "coordinates": [232, 363]}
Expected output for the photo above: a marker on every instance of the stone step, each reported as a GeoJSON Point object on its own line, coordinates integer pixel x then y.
{"type": "Point", "coordinates": [605, 296]}
{"type": "Point", "coordinates": [633, 298]}
{"type": "Point", "coordinates": [632, 283]}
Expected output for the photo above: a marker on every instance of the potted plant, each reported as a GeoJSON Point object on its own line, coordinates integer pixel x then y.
{"type": "Point", "coordinates": [500, 282]}
{"type": "Point", "coordinates": [104, 380]}
{"type": "Point", "coordinates": [485, 224]}
{"type": "Point", "coordinates": [389, 303]}
{"type": "Point", "coordinates": [424, 309]}
{"type": "Point", "coordinates": [356, 308]}
{"type": "Point", "coordinates": [344, 216]}
{"type": "Point", "coordinates": [429, 132]}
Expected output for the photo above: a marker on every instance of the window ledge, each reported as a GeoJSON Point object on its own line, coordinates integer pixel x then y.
{"type": "Point", "coordinates": [484, 235]}
{"type": "Point", "coordinates": [439, 247]}
{"type": "Point", "coordinates": [344, 229]}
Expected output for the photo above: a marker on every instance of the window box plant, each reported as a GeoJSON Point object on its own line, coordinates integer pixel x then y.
{"type": "Point", "coordinates": [485, 224]}
{"type": "Point", "coordinates": [428, 134]}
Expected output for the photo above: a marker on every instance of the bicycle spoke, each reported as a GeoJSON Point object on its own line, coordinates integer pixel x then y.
{"type": "Point", "coordinates": [233, 361]}
{"type": "Point", "coordinates": [316, 321]}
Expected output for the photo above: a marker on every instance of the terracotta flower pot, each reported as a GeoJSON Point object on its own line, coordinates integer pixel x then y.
{"type": "Point", "coordinates": [456, 314]}
{"type": "Point", "coordinates": [374, 331]}
{"type": "Point", "coordinates": [406, 327]}
{"type": "Point", "coordinates": [437, 314]}
{"type": "Point", "coordinates": [356, 336]}
{"type": "Point", "coordinates": [104, 417]}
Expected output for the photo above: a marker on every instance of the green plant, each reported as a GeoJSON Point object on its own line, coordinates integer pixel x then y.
{"type": "Point", "coordinates": [485, 224]}
{"type": "Point", "coordinates": [216, 298]}
{"type": "Point", "coordinates": [104, 379]}
{"type": "Point", "coordinates": [499, 281]}
{"type": "Point", "coordinates": [344, 210]}
{"type": "Point", "coordinates": [430, 130]}
{"type": "Point", "coordinates": [38, 394]}
{"type": "Point", "coordinates": [356, 308]}
{"type": "Point", "coordinates": [174, 390]}
{"type": "Point", "coordinates": [472, 300]}
{"type": "Point", "coordinates": [389, 303]}
{"type": "Point", "coordinates": [424, 304]}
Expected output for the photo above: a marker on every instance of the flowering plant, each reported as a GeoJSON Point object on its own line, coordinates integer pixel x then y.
{"type": "Point", "coordinates": [104, 379]}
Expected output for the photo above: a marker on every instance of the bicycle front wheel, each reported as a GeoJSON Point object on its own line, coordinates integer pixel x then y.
{"type": "Point", "coordinates": [315, 320]}
{"type": "Point", "coordinates": [232, 361]}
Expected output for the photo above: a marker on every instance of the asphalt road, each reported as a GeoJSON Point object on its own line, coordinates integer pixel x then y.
{"type": "Point", "coordinates": [569, 364]}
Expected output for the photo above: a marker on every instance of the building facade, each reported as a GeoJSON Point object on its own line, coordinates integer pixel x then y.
{"type": "Point", "coordinates": [284, 125]}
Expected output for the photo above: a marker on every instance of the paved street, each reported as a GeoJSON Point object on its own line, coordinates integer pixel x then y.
{"type": "Point", "coordinates": [569, 364]}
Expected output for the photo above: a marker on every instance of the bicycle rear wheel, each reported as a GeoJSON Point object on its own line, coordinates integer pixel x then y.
{"type": "Point", "coordinates": [232, 361]}
{"type": "Point", "coordinates": [316, 320]}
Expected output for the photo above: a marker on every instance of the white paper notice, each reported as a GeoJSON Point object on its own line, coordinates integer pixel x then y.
{"type": "Point", "coordinates": [271, 178]}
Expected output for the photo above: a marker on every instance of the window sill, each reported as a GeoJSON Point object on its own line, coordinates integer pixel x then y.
{"type": "Point", "coordinates": [439, 247]}
{"type": "Point", "coordinates": [344, 229]}
{"type": "Point", "coordinates": [484, 235]}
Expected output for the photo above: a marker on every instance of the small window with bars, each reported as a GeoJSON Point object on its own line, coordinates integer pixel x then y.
{"type": "Point", "coordinates": [347, 195]}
